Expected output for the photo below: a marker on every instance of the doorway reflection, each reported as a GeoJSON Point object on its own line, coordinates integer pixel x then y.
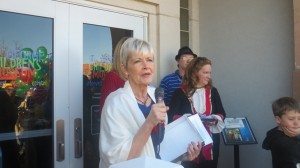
{"type": "Point", "coordinates": [26, 110]}
{"type": "Point", "coordinates": [98, 46]}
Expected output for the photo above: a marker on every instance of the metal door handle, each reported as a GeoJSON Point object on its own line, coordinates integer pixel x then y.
{"type": "Point", "coordinates": [60, 151]}
{"type": "Point", "coordinates": [78, 149]}
{"type": "Point", "coordinates": [60, 140]}
{"type": "Point", "coordinates": [77, 138]}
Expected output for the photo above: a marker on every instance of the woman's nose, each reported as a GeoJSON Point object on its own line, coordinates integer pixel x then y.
{"type": "Point", "coordinates": [145, 64]}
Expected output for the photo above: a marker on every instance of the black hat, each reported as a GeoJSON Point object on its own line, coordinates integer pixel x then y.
{"type": "Point", "coordinates": [184, 50]}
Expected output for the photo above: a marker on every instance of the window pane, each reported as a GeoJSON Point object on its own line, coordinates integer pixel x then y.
{"type": "Point", "coordinates": [98, 47]}
{"type": "Point", "coordinates": [184, 20]}
{"type": "Point", "coordinates": [184, 3]}
{"type": "Point", "coordinates": [184, 38]}
{"type": "Point", "coordinates": [26, 78]}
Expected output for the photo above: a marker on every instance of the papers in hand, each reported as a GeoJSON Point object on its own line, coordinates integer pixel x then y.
{"type": "Point", "coordinates": [145, 162]}
{"type": "Point", "coordinates": [200, 129]}
{"type": "Point", "coordinates": [207, 118]}
{"type": "Point", "coordinates": [180, 133]}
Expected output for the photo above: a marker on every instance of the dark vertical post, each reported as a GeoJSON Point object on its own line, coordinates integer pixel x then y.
{"type": "Point", "coordinates": [236, 156]}
{"type": "Point", "coordinates": [0, 157]}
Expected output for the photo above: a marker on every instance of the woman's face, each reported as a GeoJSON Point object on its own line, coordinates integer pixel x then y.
{"type": "Point", "coordinates": [140, 69]}
{"type": "Point", "coordinates": [204, 75]}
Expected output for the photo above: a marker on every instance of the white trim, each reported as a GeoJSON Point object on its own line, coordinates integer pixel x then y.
{"type": "Point", "coordinates": [32, 4]}
{"type": "Point", "coordinates": [30, 7]}
{"type": "Point", "coordinates": [105, 7]}
{"type": "Point", "coordinates": [145, 28]}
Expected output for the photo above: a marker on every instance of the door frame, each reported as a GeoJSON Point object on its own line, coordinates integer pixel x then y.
{"type": "Point", "coordinates": [65, 107]}
{"type": "Point", "coordinates": [80, 15]}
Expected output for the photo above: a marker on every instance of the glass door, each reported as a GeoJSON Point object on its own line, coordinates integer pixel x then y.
{"type": "Point", "coordinates": [93, 36]}
{"type": "Point", "coordinates": [32, 91]}
{"type": "Point", "coordinates": [53, 58]}
{"type": "Point", "coordinates": [26, 75]}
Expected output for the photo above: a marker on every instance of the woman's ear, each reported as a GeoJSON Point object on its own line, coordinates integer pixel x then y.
{"type": "Point", "coordinates": [124, 71]}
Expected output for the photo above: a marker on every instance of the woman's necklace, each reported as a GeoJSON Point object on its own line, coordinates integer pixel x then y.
{"type": "Point", "coordinates": [143, 102]}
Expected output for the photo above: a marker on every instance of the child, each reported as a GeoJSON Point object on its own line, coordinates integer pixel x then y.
{"type": "Point", "coordinates": [282, 140]}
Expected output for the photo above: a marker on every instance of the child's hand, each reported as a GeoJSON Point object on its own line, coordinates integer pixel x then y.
{"type": "Point", "coordinates": [291, 132]}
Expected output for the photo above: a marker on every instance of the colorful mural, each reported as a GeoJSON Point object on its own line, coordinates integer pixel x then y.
{"type": "Point", "coordinates": [25, 69]}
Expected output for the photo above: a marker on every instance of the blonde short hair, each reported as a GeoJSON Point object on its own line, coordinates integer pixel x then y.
{"type": "Point", "coordinates": [116, 66]}
{"type": "Point", "coordinates": [133, 46]}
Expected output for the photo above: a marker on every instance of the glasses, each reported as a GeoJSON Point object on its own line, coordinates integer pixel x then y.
{"type": "Point", "coordinates": [187, 58]}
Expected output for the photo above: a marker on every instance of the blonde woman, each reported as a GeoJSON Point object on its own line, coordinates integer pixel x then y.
{"type": "Point", "coordinates": [130, 116]}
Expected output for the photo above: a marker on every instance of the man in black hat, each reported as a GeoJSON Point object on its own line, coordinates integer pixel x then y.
{"type": "Point", "coordinates": [172, 81]}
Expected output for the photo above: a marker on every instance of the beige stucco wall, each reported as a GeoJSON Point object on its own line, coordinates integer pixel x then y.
{"type": "Point", "coordinates": [251, 45]}
{"type": "Point", "coordinates": [163, 27]}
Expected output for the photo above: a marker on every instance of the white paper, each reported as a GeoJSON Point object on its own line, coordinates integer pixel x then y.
{"type": "Point", "coordinates": [179, 134]}
{"type": "Point", "coordinates": [145, 162]}
{"type": "Point", "coordinates": [198, 125]}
